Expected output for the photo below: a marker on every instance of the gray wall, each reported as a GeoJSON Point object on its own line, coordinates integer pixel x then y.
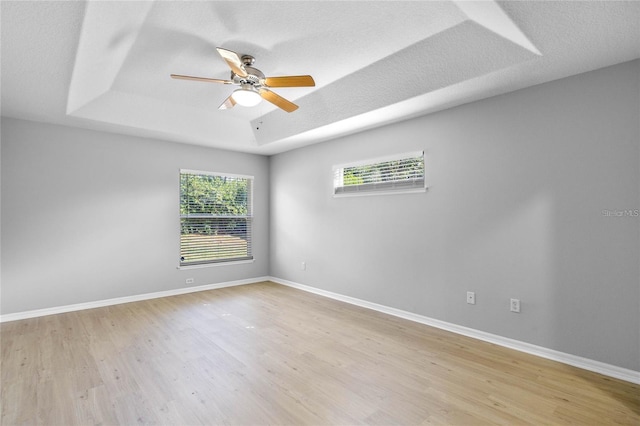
{"type": "Point", "coordinates": [517, 188]}
{"type": "Point", "coordinates": [90, 215]}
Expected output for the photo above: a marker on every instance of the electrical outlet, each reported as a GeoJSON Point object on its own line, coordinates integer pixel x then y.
{"type": "Point", "coordinates": [303, 266]}
{"type": "Point", "coordinates": [471, 298]}
{"type": "Point", "coordinates": [189, 281]}
{"type": "Point", "coordinates": [515, 305]}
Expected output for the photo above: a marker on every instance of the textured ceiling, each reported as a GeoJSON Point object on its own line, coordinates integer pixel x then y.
{"type": "Point", "coordinates": [106, 65]}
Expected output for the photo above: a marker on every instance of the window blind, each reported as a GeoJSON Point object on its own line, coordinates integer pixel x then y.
{"type": "Point", "coordinates": [215, 217]}
{"type": "Point", "coordinates": [398, 173]}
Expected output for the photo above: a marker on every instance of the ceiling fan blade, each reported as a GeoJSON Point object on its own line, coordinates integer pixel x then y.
{"type": "Point", "coordinates": [233, 60]}
{"type": "Point", "coordinates": [228, 103]}
{"type": "Point", "coordinates": [290, 81]}
{"type": "Point", "coordinates": [208, 80]}
{"type": "Point", "coordinates": [278, 100]}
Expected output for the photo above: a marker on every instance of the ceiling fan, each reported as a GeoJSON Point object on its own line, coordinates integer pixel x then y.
{"type": "Point", "coordinates": [254, 86]}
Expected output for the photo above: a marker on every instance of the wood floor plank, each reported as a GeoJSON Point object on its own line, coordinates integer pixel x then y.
{"type": "Point", "coordinates": [269, 354]}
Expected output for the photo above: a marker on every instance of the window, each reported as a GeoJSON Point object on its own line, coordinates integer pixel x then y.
{"type": "Point", "coordinates": [394, 174]}
{"type": "Point", "coordinates": [215, 217]}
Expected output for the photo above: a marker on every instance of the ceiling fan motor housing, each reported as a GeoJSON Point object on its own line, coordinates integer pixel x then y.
{"type": "Point", "coordinates": [254, 76]}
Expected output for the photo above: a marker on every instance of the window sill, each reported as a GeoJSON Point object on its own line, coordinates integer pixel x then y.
{"type": "Point", "coordinates": [209, 265]}
{"type": "Point", "coordinates": [390, 192]}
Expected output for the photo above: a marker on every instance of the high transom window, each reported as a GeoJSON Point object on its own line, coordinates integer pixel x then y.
{"type": "Point", "coordinates": [215, 217]}
{"type": "Point", "coordinates": [393, 174]}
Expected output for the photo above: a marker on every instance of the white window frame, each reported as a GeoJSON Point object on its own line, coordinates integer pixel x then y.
{"type": "Point", "coordinates": [249, 217]}
{"type": "Point", "coordinates": [401, 189]}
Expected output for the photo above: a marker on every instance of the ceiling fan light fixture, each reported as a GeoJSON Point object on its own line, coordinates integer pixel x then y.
{"type": "Point", "coordinates": [247, 97]}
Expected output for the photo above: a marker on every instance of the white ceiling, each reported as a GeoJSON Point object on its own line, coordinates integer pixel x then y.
{"type": "Point", "coordinates": [105, 65]}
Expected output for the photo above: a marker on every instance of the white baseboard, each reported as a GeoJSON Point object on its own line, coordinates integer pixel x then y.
{"type": "Point", "coordinates": [576, 361]}
{"type": "Point", "coordinates": [126, 299]}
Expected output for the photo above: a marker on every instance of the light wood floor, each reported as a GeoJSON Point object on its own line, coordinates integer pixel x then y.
{"type": "Point", "coordinates": [269, 354]}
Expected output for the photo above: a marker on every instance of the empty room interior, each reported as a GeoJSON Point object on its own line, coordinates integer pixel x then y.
{"type": "Point", "coordinates": [320, 212]}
